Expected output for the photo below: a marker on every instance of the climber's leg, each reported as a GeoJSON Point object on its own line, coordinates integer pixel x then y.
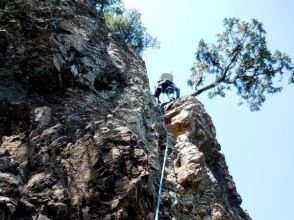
{"type": "Point", "coordinates": [170, 93]}
{"type": "Point", "coordinates": [177, 90]}
{"type": "Point", "coordinates": [157, 93]}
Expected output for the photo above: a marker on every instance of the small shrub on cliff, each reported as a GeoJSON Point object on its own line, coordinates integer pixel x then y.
{"type": "Point", "coordinates": [240, 59]}
{"type": "Point", "coordinates": [130, 27]}
{"type": "Point", "coordinates": [104, 5]}
{"type": "Point", "coordinates": [127, 24]}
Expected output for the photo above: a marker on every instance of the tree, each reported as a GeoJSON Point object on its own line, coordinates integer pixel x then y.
{"type": "Point", "coordinates": [104, 5]}
{"type": "Point", "coordinates": [240, 59]}
{"type": "Point", "coordinates": [130, 27]}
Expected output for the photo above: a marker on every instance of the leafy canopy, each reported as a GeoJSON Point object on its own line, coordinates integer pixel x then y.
{"type": "Point", "coordinates": [240, 59]}
{"type": "Point", "coordinates": [129, 26]}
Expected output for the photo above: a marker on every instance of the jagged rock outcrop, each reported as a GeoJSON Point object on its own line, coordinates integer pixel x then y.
{"type": "Point", "coordinates": [80, 133]}
{"type": "Point", "coordinates": [198, 182]}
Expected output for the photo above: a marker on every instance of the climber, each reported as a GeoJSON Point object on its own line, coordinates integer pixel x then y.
{"type": "Point", "coordinates": [166, 85]}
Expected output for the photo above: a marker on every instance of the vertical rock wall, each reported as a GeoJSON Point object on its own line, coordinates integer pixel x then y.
{"type": "Point", "coordinates": [80, 132]}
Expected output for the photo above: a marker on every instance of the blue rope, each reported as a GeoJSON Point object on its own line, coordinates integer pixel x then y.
{"type": "Point", "coordinates": [162, 170]}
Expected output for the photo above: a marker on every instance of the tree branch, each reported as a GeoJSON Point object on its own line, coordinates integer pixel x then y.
{"type": "Point", "coordinates": [203, 89]}
{"type": "Point", "coordinates": [236, 51]}
{"type": "Point", "coordinates": [224, 75]}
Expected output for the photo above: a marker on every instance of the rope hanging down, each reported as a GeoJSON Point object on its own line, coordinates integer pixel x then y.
{"type": "Point", "coordinates": [163, 167]}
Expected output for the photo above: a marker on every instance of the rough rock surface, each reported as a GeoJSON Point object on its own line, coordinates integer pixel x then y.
{"type": "Point", "coordinates": [80, 133]}
{"type": "Point", "coordinates": [78, 125]}
{"type": "Point", "coordinates": [198, 184]}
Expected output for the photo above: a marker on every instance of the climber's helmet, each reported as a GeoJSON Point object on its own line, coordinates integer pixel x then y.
{"type": "Point", "coordinates": [167, 76]}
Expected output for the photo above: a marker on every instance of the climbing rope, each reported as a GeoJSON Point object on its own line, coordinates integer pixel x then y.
{"type": "Point", "coordinates": [163, 166]}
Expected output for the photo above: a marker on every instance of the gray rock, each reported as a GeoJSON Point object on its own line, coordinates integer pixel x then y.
{"type": "Point", "coordinates": [42, 117]}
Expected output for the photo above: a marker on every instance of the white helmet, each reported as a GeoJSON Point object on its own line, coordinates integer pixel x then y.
{"type": "Point", "coordinates": [167, 75]}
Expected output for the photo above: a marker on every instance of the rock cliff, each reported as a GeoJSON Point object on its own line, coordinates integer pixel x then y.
{"type": "Point", "coordinates": [81, 136]}
{"type": "Point", "coordinates": [198, 182]}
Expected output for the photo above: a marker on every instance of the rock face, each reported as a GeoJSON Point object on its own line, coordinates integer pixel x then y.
{"type": "Point", "coordinates": [78, 126]}
{"type": "Point", "coordinates": [80, 133]}
{"type": "Point", "coordinates": [198, 184]}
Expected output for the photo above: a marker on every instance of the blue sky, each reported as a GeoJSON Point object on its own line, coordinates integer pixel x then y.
{"type": "Point", "coordinates": [258, 146]}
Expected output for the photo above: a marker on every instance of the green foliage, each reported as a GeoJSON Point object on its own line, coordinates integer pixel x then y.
{"type": "Point", "coordinates": [129, 26]}
{"type": "Point", "coordinates": [104, 5]}
{"type": "Point", "coordinates": [240, 59]}
{"type": "Point", "coordinates": [126, 23]}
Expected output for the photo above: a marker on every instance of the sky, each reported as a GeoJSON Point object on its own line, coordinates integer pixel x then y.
{"type": "Point", "coordinates": [258, 146]}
